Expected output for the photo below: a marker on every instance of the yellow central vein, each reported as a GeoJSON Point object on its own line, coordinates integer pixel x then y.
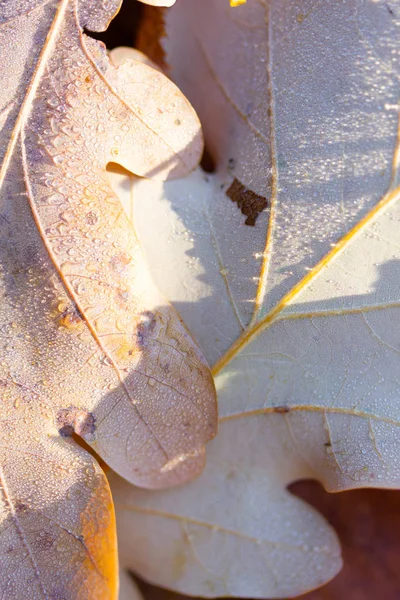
{"type": "Point", "coordinates": [337, 312]}
{"type": "Point", "coordinates": [33, 85]}
{"type": "Point", "coordinates": [244, 339]}
{"type": "Point", "coordinates": [274, 184]}
{"type": "Point", "coordinates": [332, 410]}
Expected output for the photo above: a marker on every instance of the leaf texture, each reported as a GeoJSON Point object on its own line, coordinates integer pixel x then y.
{"type": "Point", "coordinates": [88, 345]}
{"type": "Point", "coordinates": [297, 309]}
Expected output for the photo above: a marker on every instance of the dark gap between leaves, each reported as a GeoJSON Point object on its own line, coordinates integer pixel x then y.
{"type": "Point", "coordinates": [207, 161]}
{"type": "Point", "coordinates": [123, 29]}
{"type": "Point", "coordinates": [83, 444]}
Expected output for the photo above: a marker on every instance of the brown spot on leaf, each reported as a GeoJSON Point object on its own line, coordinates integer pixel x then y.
{"type": "Point", "coordinates": [250, 203]}
{"type": "Point", "coordinates": [76, 420]}
{"type": "Point", "coordinates": [70, 316]}
{"type": "Point", "coordinates": [281, 410]}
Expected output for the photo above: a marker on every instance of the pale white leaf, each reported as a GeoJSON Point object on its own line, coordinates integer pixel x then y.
{"type": "Point", "coordinates": [298, 314]}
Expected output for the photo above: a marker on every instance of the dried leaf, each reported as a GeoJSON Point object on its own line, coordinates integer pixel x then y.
{"type": "Point", "coordinates": [298, 309]}
{"type": "Point", "coordinates": [89, 346]}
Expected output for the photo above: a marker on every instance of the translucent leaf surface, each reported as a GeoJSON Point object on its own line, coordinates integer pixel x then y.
{"type": "Point", "coordinates": [88, 345]}
{"type": "Point", "coordinates": [297, 309]}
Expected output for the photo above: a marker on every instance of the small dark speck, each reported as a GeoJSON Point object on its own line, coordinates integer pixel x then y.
{"type": "Point", "coordinates": [231, 163]}
{"type": "Point", "coordinates": [390, 10]}
{"type": "Point", "coordinates": [178, 121]}
{"type": "Point", "coordinates": [281, 410]}
{"type": "Point", "coordinates": [20, 507]}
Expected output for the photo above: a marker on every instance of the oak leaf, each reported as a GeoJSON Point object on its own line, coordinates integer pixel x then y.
{"type": "Point", "coordinates": [89, 347]}
{"type": "Point", "coordinates": [296, 305]}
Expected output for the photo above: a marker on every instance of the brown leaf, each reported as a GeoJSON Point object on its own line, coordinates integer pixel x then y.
{"type": "Point", "coordinates": [88, 345]}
